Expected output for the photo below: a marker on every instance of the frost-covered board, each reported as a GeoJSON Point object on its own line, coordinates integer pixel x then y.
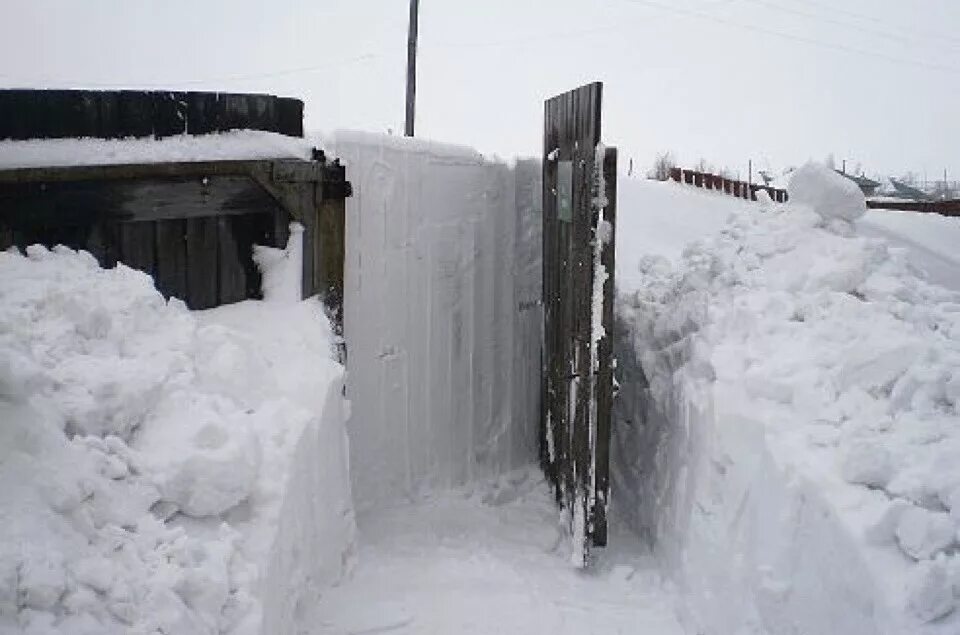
{"type": "Point", "coordinates": [578, 307]}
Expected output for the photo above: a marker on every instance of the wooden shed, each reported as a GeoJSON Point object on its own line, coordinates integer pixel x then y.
{"type": "Point", "coordinates": [190, 224]}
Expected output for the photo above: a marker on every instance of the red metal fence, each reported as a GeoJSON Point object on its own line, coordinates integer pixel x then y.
{"type": "Point", "coordinates": [730, 187]}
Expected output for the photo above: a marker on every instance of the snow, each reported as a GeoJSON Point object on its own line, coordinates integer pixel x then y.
{"type": "Point", "coordinates": [163, 470]}
{"type": "Point", "coordinates": [929, 239]}
{"type": "Point", "coordinates": [282, 269]}
{"type": "Point", "coordinates": [442, 318]}
{"type": "Point", "coordinates": [828, 194]}
{"type": "Point", "coordinates": [234, 145]}
{"type": "Point", "coordinates": [491, 558]}
{"type": "Point", "coordinates": [659, 219]}
{"type": "Point", "coordinates": [787, 428]}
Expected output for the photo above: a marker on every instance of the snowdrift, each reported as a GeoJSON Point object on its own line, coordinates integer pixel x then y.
{"type": "Point", "coordinates": [162, 470]}
{"type": "Point", "coordinates": [787, 430]}
{"type": "Point", "coordinates": [442, 315]}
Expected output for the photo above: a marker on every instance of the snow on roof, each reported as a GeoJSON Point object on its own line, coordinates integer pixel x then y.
{"type": "Point", "coordinates": [233, 145]}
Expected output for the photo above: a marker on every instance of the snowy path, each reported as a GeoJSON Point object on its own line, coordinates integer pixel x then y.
{"type": "Point", "coordinates": [491, 563]}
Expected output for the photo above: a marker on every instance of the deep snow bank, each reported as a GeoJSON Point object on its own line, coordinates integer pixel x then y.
{"type": "Point", "coordinates": [788, 429]}
{"type": "Point", "coordinates": [162, 470]}
{"type": "Point", "coordinates": [442, 316]}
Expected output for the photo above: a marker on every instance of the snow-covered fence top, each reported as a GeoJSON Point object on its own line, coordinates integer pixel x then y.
{"type": "Point", "coordinates": [112, 114]}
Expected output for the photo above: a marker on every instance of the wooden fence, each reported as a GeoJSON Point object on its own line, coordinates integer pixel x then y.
{"type": "Point", "coordinates": [191, 225]}
{"type": "Point", "coordinates": [730, 187]}
{"type": "Point", "coordinates": [54, 114]}
{"type": "Point", "coordinates": [943, 208]}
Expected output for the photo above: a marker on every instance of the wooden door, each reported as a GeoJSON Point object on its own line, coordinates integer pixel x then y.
{"type": "Point", "coordinates": [579, 202]}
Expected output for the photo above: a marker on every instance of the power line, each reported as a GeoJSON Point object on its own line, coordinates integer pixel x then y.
{"type": "Point", "coordinates": [799, 38]}
{"type": "Point", "coordinates": [848, 25]}
{"type": "Point", "coordinates": [546, 37]}
{"type": "Point", "coordinates": [872, 18]}
{"type": "Point", "coordinates": [213, 80]}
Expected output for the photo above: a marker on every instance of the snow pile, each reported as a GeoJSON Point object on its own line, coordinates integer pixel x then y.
{"type": "Point", "coordinates": [282, 269]}
{"type": "Point", "coordinates": [235, 145]}
{"type": "Point", "coordinates": [163, 471]}
{"type": "Point", "coordinates": [442, 314]}
{"type": "Point", "coordinates": [659, 218]}
{"type": "Point", "coordinates": [827, 193]}
{"type": "Point", "coordinates": [796, 451]}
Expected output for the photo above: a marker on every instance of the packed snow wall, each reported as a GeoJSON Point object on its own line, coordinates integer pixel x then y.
{"type": "Point", "coordinates": [787, 430]}
{"type": "Point", "coordinates": [164, 470]}
{"type": "Point", "coordinates": [442, 314]}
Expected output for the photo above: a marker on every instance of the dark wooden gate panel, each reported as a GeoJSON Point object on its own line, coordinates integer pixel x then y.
{"type": "Point", "coordinates": [577, 378]}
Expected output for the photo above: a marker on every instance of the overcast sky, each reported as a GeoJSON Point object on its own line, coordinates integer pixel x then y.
{"type": "Point", "coordinates": [875, 82]}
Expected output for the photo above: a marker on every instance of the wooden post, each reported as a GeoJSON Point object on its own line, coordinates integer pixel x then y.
{"type": "Point", "coordinates": [411, 67]}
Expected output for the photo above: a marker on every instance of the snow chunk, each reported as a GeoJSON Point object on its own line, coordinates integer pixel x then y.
{"type": "Point", "coordinates": [282, 269]}
{"type": "Point", "coordinates": [922, 534]}
{"type": "Point", "coordinates": [931, 593]}
{"type": "Point", "coordinates": [203, 454]}
{"type": "Point", "coordinates": [868, 463]}
{"type": "Point", "coordinates": [827, 193]}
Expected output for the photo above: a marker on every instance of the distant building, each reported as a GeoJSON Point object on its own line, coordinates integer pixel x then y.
{"type": "Point", "coordinates": [867, 186]}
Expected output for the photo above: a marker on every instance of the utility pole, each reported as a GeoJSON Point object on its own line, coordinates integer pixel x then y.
{"type": "Point", "coordinates": [411, 67]}
{"type": "Point", "coordinates": [750, 171]}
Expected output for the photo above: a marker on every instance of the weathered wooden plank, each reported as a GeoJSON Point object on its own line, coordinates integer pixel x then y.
{"type": "Point", "coordinates": [231, 275]}
{"type": "Point", "coordinates": [6, 237]}
{"type": "Point", "coordinates": [134, 114]}
{"type": "Point", "coordinates": [171, 253]}
{"type": "Point", "coordinates": [604, 378]}
{"type": "Point", "coordinates": [329, 248]}
{"type": "Point", "coordinates": [289, 116]}
{"type": "Point", "coordinates": [136, 200]}
{"type": "Point", "coordinates": [202, 261]}
{"type": "Point", "coordinates": [170, 111]}
{"type": "Point", "coordinates": [138, 246]}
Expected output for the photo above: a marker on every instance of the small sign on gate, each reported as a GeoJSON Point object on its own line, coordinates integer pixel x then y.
{"type": "Point", "coordinates": [565, 191]}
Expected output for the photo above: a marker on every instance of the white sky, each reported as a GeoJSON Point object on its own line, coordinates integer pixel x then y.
{"type": "Point", "coordinates": [876, 82]}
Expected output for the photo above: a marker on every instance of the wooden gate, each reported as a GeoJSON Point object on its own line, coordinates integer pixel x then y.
{"type": "Point", "coordinates": [579, 202]}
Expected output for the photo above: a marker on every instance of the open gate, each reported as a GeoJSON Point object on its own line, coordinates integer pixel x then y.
{"type": "Point", "coordinates": [579, 206]}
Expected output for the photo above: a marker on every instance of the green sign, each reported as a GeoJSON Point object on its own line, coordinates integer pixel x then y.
{"type": "Point", "coordinates": [565, 191]}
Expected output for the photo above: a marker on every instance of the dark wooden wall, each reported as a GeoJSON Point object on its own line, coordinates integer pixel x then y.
{"type": "Point", "coordinates": [575, 425]}
{"type": "Point", "coordinates": [193, 235]}
{"type": "Point", "coordinates": [944, 208]}
{"type": "Point", "coordinates": [52, 114]}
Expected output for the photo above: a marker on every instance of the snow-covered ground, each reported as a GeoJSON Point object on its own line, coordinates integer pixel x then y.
{"type": "Point", "coordinates": [492, 559]}
{"type": "Point", "coordinates": [232, 145]}
{"type": "Point", "coordinates": [163, 471]}
{"type": "Point", "coordinates": [787, 430]}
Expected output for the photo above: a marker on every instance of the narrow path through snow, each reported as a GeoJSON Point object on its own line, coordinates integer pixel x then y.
{"type": "Point", "coordinates": [491, 562]}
